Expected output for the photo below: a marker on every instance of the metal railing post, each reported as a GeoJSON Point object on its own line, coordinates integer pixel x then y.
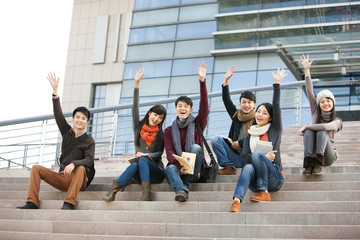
{"type": "Point", "coordinates": [300, 105]}
{"type": "Point", "coordinates": [42, 142]}
{"type": "Point", "coordinates": [25, 155]}
{"type": "Point", "coordinates": [113, 138]}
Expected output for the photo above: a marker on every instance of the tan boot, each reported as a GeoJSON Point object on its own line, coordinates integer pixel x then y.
{"type": "Point", "coordinates": [110, 196]}
{"type": "Point", "coordinates": [261, 196]}
{"type": "Point", "coordinates": [227, 170]}
{"type": "Point", "coordinates": [146, 194]}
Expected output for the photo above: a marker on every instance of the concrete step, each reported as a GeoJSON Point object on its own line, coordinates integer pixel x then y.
{"type": "Point", "coordinates": [281, 218]}
{"type": "Point", "coordinates": [187, 230]}
{"type": "Point", "coordinates": [294, 176]}
{"type": "Point", "coordinates": [288, 165]}
{"type": "Point", "coordinates": [288, 186]}
{"type": "Point", "coordinates": [203, 196]}
{"type": "Point", "coordinates": [192, 206]}
{"type": "Point", "coordinates": [14, 235]}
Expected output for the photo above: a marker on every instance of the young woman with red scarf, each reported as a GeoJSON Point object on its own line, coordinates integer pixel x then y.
{"type": "Point", "coordinates": [149, 141]}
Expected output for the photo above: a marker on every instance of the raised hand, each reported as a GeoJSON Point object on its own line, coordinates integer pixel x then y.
{"type": "Point", "coordinates": [138, 76]}
{"type": "Point", "coordinates": [54, 82]}
{"type": "Point", "coordinates": [279, 75]}
{"type": "Point", "coordinates": [201, 70]}
{"type": "Point", "coordinates": [228, 75]}
{"type": "Point", "coordinates": [305, 61]}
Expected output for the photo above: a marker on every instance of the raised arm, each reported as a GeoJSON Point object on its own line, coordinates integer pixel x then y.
{"type": "Point", "coordinates": [276, 121]}
{"type": "Point", "coordinates": [63, 125]}
{"type": "Point", "coordinates": [203, 112]}
{"type": "Point", "coordinates": [229, 105]}
{"type": "Point", "coordinates": [135, 108]}
{"type": "Point", "coordinates": [306, 63]}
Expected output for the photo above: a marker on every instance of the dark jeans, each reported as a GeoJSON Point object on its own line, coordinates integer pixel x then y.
{"type": "Point", "coordinates": [142, 171]}
{"type": "Point", "coordinates": [226, 156]}
{"type": "Point", "coordinates": [177, 181]}
{"type": "Point", "coordinates": [319, 142]}
{"type": "Point", "coordinates": [260, 175]}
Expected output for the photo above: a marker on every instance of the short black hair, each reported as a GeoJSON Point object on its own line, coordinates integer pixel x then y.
{"type": "Point", "coordinates": [248, 95]}
{"type": "Point", "coordinates": [185, 99]}
{"type": "Point", "coordinates": [83, 110]}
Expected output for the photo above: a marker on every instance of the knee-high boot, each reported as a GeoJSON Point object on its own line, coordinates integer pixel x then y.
{"type": "Point", "coordinates": [110, 196]}
{"type": "Point", "coordinates": [146, 194]}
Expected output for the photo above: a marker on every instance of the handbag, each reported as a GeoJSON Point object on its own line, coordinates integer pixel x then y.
{"type": "Point", "coordinates": [211, 170]}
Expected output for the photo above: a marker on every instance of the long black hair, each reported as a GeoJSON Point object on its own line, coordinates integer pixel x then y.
{"type": "Point", "coordinates": [159, 141]}
{"type": "Point", "coordinates": [269, 109]}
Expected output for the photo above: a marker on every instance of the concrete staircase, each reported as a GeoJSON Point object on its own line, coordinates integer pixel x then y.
{"type": "Point", "coordinates": [323, 207]}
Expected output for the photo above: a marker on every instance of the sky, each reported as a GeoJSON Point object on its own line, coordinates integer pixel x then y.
{"type": "Point", "coordinates": [34, 41]}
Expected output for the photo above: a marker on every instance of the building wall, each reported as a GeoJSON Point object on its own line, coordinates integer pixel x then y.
{"type": "Point", "coordinates": [82, 74]}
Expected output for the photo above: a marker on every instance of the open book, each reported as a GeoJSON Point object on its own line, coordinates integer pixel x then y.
{"type": "Point", "coordinates": [230, 142]}
{"type": "Point", "coordinates": [135, 159]}
{"type": "Point", "coordinates": [264, 147]}
{"type": "Point", "coordinates": [187, 160]}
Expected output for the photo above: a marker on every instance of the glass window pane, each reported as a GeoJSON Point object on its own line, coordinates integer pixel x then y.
{"type": "Point", "coordinates": [152, 69]}
{"type": "Point", "coordinates": [199, 29]}
{"type": "Point", "coordinates": [323, 15]}
{"type": "Point", "coordinates": [239, 80]}
{"type": "Point", "coordinates": [226, 6]}
{"type": "Point", "coordinates": [143, 4]}
{"type": "Point", "coordinates": [152, 34]}
{"type": "Point", "coordinates": [189, 66]}
{"type": "Point", "coordinates": [236, 40]}
{"type": "Point", "coordinates": [188, 84]}
{"type": "Point", "coordinates": [147, 87]}
{"type": "Point", "coordinates": [285, 18]}
{"type": "Point", "coordinates": [161, 16]}
{"type": "Point", "coordinates": [194, 48]}
{"type": "Point", "coordinates": [244, 62]}
{"type": "Point", "coordinates": [270, 61]}
{"type": "Point", "coordinates": [150, 51]}
{"type": "Point", "coordinates": [193, 1]}
{"type": "Point", "coordinates": [238, 22]}
{"type": "Point", "coordinates": [266, 4]}
{"type": "Point", "coordinates": [200, 12]}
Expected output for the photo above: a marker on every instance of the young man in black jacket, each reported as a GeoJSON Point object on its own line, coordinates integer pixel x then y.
{"type": "Point", "coordinates": [230, 155]}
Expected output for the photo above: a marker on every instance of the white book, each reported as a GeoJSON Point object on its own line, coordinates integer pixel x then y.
{"type": "Point", "coordinates": [264, 147]}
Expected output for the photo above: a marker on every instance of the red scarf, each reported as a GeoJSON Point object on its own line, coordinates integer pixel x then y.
{"type": "Point", "coordinates": [148, 134]}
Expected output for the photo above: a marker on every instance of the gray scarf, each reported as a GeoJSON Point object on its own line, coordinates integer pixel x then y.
{"type": "Point", "coordinates": [189, 123]}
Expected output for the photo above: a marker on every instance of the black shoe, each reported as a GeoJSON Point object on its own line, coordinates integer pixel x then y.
{"type": "Point", "coordinates": [67, 206]}
{"type": "Point", "coordinates": [28, 205]}
{"type": "Point", "coordinates": [181, 196]}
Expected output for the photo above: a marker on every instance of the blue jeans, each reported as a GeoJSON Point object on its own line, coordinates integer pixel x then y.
{"type": "Point", "coordinates": [260, 175]}
{"type": "Point", "coordinates": [226, 156]}
{"type": "Point", "coordinates": [142, 171]}
{"type": "Point", "coordinates": [177, 181]}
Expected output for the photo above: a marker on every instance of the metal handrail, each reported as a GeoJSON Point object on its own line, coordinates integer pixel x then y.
{"type": "Point", "coordinates": [110, 138]}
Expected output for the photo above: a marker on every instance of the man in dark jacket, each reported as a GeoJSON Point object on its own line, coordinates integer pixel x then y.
{"type": "Point", "coordinates": [77, 167]}
{"type": "Point", "coordinates": [229, 151]}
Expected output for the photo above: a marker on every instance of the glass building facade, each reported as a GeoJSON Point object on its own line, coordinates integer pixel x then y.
{"type": "Point", "coordinates": [168, 39]}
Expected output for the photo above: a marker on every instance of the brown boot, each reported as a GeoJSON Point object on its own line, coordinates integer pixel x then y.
{"type": "Point", "coordinates": [318, 163]}
{"type": "Point", "coordinates": [110, 196]}
{"type": "Point", "coordinates": [235, 206]}
{"type": "Point", "coordinates": [146, 194]}
{"type": "Point", "coordinates": [227, 170]}
{"type": "Point", "coordinates": [261, 196]}
{"type": "Point", "coordinates": [308, 165]}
